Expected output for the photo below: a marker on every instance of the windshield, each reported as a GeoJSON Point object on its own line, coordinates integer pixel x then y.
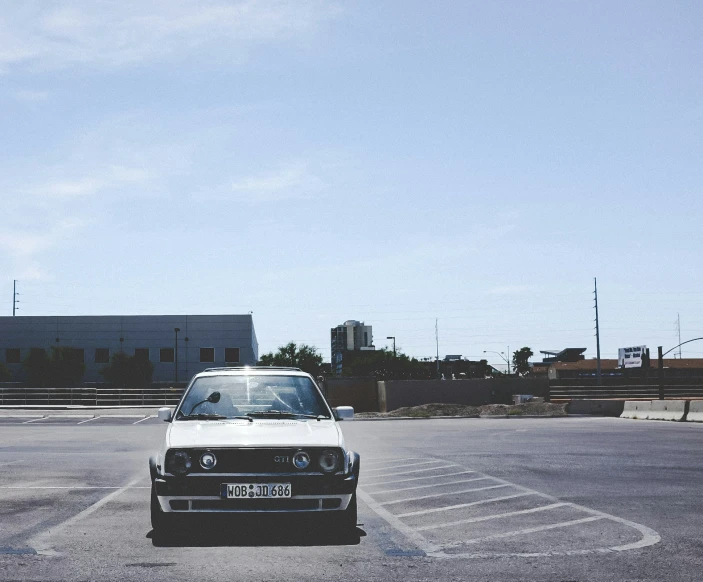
{"type": "Point", "coordinates": [254, 395]}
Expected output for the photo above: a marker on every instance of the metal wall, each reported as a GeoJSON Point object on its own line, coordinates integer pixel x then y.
{"type": "Point", "coordinates": [129, 332]}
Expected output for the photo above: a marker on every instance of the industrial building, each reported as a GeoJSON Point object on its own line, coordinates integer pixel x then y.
{"type": "Point", "coordinates": [351, 336]}
{"type": "Point", "coordinates": [178, 346]}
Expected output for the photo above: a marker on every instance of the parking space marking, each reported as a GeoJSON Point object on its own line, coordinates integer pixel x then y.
{"type": "Point", "coordinates": [416, 471]}
{"type": "Point", "coordinates": [87, 420]}
{"type": "Point", "coordinates": [10, 463]}
{"type": "Point", "coordinates": [493, 516]}
{"type": "Point", "coordinates": [418, 478]}
{"type": "Point", "coordinates": [443, 494]}
{"type": "Point", "coordinates": [69, 487]}
{"type": "Point", "coordinates": [529, 530]}
{"type": "Point", "coordinates": [386, 467]}
{"type": "Point", "coordinates": [40, 542]}
{"type": "Point", "coordinates": [145, 418]}
{"type": "Point", "coordinates": [415, 487]}
{"type": "Point", "coordinates": [34, 420]}
{"type": "Point", "coordinates": [378, 461]}
{"type": "Point", "coordinates": [471, 504]}
{"type": "Point", "coordinates": [439, 549]}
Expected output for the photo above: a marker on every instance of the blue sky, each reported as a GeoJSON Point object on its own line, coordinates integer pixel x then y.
{"type": "Point", "coordinates": [392, 162]}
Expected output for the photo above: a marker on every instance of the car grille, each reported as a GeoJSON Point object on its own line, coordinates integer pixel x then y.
{"type": "Point", "coordinates": [256, 460]}
{"type": "Point", "coordinates": [256, 504]}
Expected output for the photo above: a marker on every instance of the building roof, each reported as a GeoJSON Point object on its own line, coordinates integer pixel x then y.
{"type": "Point", "coordinates": [608, 364]}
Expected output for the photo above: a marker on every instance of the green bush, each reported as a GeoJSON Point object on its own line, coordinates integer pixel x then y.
{"type": "Point", "coordinates": [128, 371]}
{"type": "Point", "coordinates": [62, 369]}
{"type": "Point", "coordinates": [5, 374]}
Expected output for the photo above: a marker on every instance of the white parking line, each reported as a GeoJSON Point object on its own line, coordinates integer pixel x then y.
{"type": "Point", "coordinates": [69, 487]}
{"type": "Point", "coordinates": [40, 542]}
{"type": "Point", "coordinates": [443, 494]}
{"type": "Point", "coordinates": [430, 485]}
{"type": "Point", "coordinates": [87, 420]}
{"type": "Point", "coordinates": [10, 463]}
{"type": "Point", "coordinates": [34, 420]}
{"type": "Point", "coordinates": [401, 466]}
{"type": "Point", "coordinates": [493, 516]}
{"type": "Point", "coordinates": [529, 530]}
{"type": "Point", "coordinates": [378, 461]}
{"type": "Point", "coordinates": [145, 418]}
{"type": "Point", "coordinates": [418, 478]}
{"type": "Point", "coordinates": [462, 505]}
{"type": "Point", "coordinates": [416, 471]}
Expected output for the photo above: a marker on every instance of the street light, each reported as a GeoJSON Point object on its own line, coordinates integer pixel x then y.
{"type": "Point", "coordinates": [393, 338]}
{"type": "Point", "coordinates": [502, 355]}
{"type": "Point", "coordinates": [175, 351]}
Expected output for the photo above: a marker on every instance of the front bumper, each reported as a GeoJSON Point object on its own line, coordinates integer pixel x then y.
{"type": "Point", "coordinates": [202, 493]}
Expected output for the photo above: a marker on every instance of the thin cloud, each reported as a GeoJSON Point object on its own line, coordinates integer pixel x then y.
{"type": "Point", "coordinates": [117, 33]}
{"type": "Point", "coordinates": [110, 177]}
{"type": "Point", "coordinates": [292, 181]}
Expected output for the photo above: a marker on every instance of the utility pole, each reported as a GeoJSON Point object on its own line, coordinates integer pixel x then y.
{"type": "Point", "coordinates": [15, 301]}
{"type": "Point", "coordinates": [678, 329]}
{"type": "Point", "coordinates": [436, 337]}
{"type": "Point", "coordinates": [509, 358]}
{"type": "Point", "coordinates": [175, 354]}
{"type": "Point", "coordinates": [599, 380]}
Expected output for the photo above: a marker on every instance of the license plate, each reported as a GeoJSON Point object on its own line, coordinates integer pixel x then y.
{"type": "Point", "coordinates": [256, 490]}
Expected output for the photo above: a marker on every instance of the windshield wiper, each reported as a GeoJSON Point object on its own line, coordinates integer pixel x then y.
{"type": "Point", "coordinates": [201, 416]}
{"type": "Point", "coordinates": [315, 416]}
{"type": "Point", "coordinates": [284, 413]}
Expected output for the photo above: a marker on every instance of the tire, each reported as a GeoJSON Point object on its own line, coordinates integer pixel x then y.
{"type": "Point", "coordinates": [350, 515]}
{"type": "Point", "coordinates": [161, 522]}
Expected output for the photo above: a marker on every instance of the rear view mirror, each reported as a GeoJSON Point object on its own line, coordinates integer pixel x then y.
{"type": "Point", "coordinates": [342, 412]}
{"type": "Point", "coordinates": [165, 414]}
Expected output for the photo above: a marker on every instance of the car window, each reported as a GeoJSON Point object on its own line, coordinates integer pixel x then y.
{"type": "Point", "coordinates": [241, 395]}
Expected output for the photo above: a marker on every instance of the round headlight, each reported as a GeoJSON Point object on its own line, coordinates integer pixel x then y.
{"type": "Point", "coordinates": [208, 460]}
{"type": "Point", "coordinates": [329, 461]}
{"type": "Point", "coordinates": [180, 463]}
{"type": "Point", "coordinates": [301, 460]}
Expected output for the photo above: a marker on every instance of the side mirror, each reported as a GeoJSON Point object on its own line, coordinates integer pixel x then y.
{"type": "Point", "coordinates": [342, 412]}
{"type": "Point", "coordinates": [165, 414]}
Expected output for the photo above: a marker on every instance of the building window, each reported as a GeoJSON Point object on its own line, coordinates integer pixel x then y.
{"type": "Point", "coordinates": [141, 353]}
{"type": "Point", "coordinates": [167, 355]}
{"type": "Point", "coordinates": [78, 354]}
{"type": "Point", "coordinates": [102, 355]}
{"type": "Point", "coordinates": [232, 355]}
{"type": "Point", "coordinates": [12, 355]}
{"type": "Point", "coordinates": [207, 355]}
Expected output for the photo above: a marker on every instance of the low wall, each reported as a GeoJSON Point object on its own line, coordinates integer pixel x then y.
{"type": "Point", "coordinates": [395, 394]}
{"type": "Point", "coordinates": [359, 392]}
{"type": "Point", "coordinates": [598, 407]}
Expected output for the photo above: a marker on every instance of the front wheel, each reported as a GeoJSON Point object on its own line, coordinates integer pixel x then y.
{"type": "Point", "coordinates": [161, 522]}
{"type": "Point", "coordinates": [350, 515]}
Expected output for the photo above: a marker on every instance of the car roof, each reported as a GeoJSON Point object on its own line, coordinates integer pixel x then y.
{"type": "Point", "coordinates": [258, 370]}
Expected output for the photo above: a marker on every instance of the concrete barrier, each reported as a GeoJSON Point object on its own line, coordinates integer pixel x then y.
{"type": "Point", "coordinates": [638, 409]}
{"type": "Point", "coordinates": [695, 411]}
{"type": "Point", "coordinates": [668, 410]}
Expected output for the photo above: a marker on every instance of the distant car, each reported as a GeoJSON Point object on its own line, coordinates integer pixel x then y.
{"type": "Point", "coordinates": [251, 440]}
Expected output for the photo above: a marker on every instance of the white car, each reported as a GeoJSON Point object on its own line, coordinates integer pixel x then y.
{"type": "Point", "coordinates": [252, 440]}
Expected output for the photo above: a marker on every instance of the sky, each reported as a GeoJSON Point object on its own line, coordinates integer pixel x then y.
{"type": "Point", "coordinates": [454, 174]}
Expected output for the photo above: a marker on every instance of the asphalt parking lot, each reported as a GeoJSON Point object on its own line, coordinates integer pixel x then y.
{"type": "Point", "coordinates": [569, 499]}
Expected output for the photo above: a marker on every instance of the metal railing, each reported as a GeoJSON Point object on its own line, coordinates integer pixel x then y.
{"type": "Point", "coordinates": [90, 396]}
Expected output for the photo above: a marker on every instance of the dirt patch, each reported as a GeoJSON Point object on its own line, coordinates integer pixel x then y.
{"type": "Point", "coordinates": [433, 410]}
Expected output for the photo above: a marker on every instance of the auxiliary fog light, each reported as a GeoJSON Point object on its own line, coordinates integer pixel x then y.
{"type": "Point", "coordinates": [301, 460]}
{"type": "Point", "coordinates": [208, 460]}
{"type": "Point", "coordinates": [329, 460]}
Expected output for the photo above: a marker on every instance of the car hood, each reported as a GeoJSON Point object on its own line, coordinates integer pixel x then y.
{"type": "Point", "coordinates": [260, 433]}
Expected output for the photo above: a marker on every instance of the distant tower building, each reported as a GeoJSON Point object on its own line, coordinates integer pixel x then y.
{"type": "Point", "coordinates": [351, 336]}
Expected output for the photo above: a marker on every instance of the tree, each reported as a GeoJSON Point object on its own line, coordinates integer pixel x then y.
{"type": "Point", "coordinates": [520, 363]}
{"type": "Point", "coordinates": [302, 356]}
{"type": "Point", "coordinates": [384, 364]}
{"type": "Point", "coordinates": [64, 367]}
{"type": "Point", "coordinates": [128, 371]}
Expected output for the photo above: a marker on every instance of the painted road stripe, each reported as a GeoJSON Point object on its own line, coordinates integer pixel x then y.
{"type": "Point", "coordinates": [378, 461]}
{"type": "Point", "coordinates": [401, 466]}
{"type": "Point", "coordinates": [526, 531]}
{"type": "Point", "coordinates": [494, 516]}
{"type": "Point", "coordinates": [143, 419]}
{"type": "Point", "coordinates": [419, 478]}
{"type": "Point", "coordinates": [69, 487]}
{"type": "Point", "coordinates": [88, 420]}
{"type": "Point", "coordinates": [430, 485]}
{"type": "Point", "coordinates": [460, 506]}
{"type": "Point", "coordinates": [10, 463]}
{"type": "Point", "coordinates": [417, 471]}
{"type": "Point", "coordinates": [40, 542]}
{"type": "Point", "coordinates": [443, 494]}
{"type": "Point", "coordinates": [34, 420]}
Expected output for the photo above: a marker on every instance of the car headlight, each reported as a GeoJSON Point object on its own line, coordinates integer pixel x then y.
{"type": "Point", "coordinates": [208, 460]}
{"type": "Point", "coordinates": [329, 461]}
{"type": "Point", "coordinates": [178, 463]}
{"type": "Point", "coordinates": [301, 460]}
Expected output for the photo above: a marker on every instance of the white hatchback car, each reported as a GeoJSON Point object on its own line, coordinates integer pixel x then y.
{"type": "Point", "coordinates": [253, 440]}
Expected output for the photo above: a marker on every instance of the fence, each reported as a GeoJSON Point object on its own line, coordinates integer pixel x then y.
{"type": "Point", "coordinates": [90, 396]}
{"type": "Point", "coordinates": [558, 390]}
